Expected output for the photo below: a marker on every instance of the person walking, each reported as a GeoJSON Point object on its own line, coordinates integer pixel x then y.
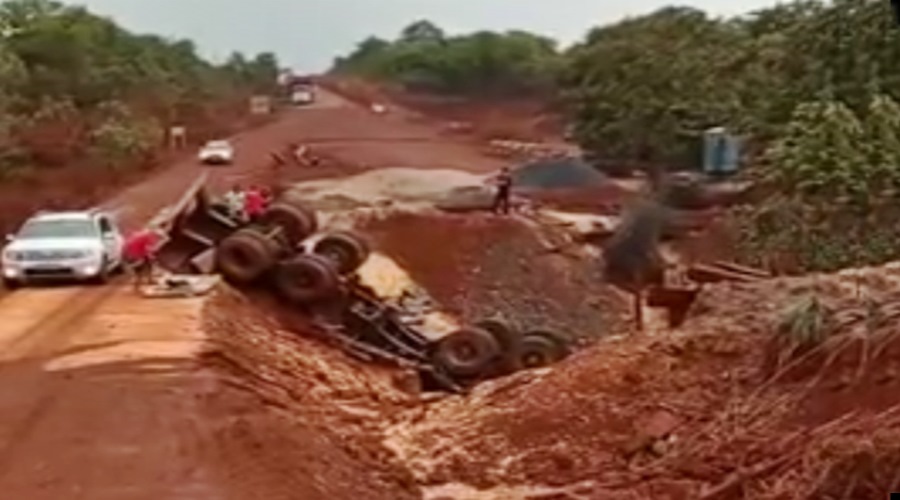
{"type": "Point", "coordinates": [139, 253]}
{"type": "Point", "coordinates": [504, 183]}
{"type": "Point", "coordinates": [254, 203]}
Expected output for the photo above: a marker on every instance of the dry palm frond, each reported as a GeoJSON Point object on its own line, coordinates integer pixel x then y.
{"type": "Point", "coordinates": [806, 322]}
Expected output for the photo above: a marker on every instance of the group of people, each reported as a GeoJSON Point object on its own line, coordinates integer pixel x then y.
{"type": "Point", "coordinates": [247, 204]}
{"type": "Point", "coordinates": [139, 251]}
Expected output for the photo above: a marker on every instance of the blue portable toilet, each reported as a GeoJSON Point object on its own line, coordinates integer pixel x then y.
{"type": "Point", "coordinates": [721, 152]}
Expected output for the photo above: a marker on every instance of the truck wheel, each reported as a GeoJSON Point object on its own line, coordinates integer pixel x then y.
{"type": "Point", "coordinates": [466, 352]}
{"type": "Point", "coordinates": [245, 256]}
{"type": "Point", "coordinates": [307, 278]}
{"type": "Point", "coordinates": [508, 339]}
{"type": "Point", "coordinates": [296, 223]}
{"type": "Point", "coordinates": [542, 348]}
{"type": "Point", "coordinates": [347, 250]}
{"type": "Point", "coordinates": [297, 200]}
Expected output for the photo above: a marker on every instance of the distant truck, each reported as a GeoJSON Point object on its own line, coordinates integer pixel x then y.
{"type": "Point", "coordinates": [301, 90]}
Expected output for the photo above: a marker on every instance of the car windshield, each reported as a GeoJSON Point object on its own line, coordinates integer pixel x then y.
{"type": "Point", "coordinates": [61, 228]}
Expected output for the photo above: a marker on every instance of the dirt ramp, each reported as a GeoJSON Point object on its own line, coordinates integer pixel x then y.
{"type": "Point", "coordinates": [478, 266]}
{"type": "Point", "coordinates": [297, 419]}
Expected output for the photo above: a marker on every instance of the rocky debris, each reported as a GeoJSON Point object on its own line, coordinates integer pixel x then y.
{"type": "Point", "coordinates": [557, 174]}
{"type": "Point", "coordinates": [480, 266]}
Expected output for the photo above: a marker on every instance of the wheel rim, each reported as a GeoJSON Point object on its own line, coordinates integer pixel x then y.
{"type": "Point", "coordinates": [464, 352]}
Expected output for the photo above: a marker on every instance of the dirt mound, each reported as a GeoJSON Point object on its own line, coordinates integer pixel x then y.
{"type": "Point", "coordinates": [557, 174]}
{"type": "Point", "coordinates": [389, 185]}
{"type": "Point", "coordinates": [300, 415]}
{"type": "Point", "coordinates": [700, 412]}
{"type": "Point", "coordinates": [478, 266]}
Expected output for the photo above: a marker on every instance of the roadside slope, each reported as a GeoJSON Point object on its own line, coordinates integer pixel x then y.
{"type": "Point", "coordinates": [107, 397]}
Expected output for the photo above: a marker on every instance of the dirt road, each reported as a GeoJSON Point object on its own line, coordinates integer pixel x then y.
{"type": "Point", "coordinates": [101, 390]}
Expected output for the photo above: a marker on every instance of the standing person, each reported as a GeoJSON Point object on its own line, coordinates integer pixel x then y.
{"type": "Point", "coordinates": [254, 203]}
{"type": "Point", "coordinates": [504, 183]}
{"type": "Point", "coordinates": [234, 199]}
{"type": "Point", "coordinates": [139, 251]}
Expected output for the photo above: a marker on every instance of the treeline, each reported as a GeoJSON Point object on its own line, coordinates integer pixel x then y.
{"type": "Point", "coordinates": [77, 87]}
{"type": "Point", "coordinates": [812, 85]}
{"type": "Point", "coordinates": [423, 57]}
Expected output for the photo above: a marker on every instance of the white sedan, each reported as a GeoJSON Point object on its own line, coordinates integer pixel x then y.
{"type": "Point", "coordinates": [216, 153]}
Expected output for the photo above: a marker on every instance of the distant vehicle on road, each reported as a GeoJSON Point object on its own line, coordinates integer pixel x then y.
{"type": "Point", "coordinates": [219, 152]}
{"type": "Point", "coordinates": [82, 245]}
{"type": "Point", "coordinates": [301, 90]}
{"type": "Point", "coordinates": [302, 95]}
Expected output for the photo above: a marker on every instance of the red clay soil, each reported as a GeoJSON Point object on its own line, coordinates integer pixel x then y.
{"type": "Point", "coordinates": [695, 413]}
{"type": "Point", "coordinates": [268, 419]}
{"type": "Point", "coordinates": [525, 119]}
{"type": "Point", "coordinates": [296, 416]}
{"type": "Point", "coordinates": [477, 266]}
{"type": "Point", "coordinates": [516, 119]}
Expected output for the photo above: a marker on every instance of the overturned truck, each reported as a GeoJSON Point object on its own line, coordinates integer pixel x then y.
{"type": "Point", "coordinates": [285, 252]}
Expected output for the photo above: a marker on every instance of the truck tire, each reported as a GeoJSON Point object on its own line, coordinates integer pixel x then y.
{"type": "Point", "coordinates": [541, 348]}
{"type": "Point", "coordinates": [466, 353]}
{"type": "Point", "coordinates": [305, 279]}
{"type": "Point", "coordinates": [510, 342]}
{"type": "Point", "coordinates": [298, 201]}
{"type": "Point", "coordinates": [245, 256]}
{"type": "Point", "coordinates": [348, 251]}
{"type": "Point", "coordinates": [295, 223]}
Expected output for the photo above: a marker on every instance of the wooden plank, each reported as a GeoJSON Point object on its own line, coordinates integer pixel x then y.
{"type": "Point", "coordinates": [703, 273]}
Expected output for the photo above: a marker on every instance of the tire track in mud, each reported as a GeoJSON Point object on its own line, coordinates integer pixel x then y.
{"type": "Point", "coordinates": [66, 318]}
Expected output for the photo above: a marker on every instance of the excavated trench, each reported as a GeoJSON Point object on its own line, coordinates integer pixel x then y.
{"type": "Point", "coordinates": [668, 414]}
{"type": "Point", "coordinates": [322, 415]}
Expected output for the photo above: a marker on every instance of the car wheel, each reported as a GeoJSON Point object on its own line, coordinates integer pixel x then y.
{"type": "Point", "coordinates": [102, 275]}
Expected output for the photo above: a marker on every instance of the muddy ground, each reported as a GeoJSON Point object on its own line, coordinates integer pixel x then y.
{"type": "Point", "coordinates": [113, 396]}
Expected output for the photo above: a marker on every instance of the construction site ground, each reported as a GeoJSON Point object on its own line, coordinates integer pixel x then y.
{"type": "Point", "coordinates": [110, 395]}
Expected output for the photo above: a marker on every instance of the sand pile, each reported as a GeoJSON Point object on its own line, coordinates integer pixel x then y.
{"type": "Point", "coordinates": [386, 186]}
{"type": "Point", "coordinates": [557, 174]}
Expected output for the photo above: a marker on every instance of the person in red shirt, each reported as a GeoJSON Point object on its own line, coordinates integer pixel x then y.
{"type": "Point", "coordinates": [139, 252]}
{"type": "Point", "coordinates": [254, 203]}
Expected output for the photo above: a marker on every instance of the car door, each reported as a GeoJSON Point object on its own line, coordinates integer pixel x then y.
{"type": "Point", "coordinates": [112, 240]}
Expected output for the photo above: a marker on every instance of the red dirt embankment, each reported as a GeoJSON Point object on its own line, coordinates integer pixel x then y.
{"type": "Point", "coordinates": [478, 266]}
{"type": "Point", "coordinates": [698, 413]}
{"type": "Point", "coordinates": [296, 418]}
{"type": "Point", "coordinates": [525, 119]}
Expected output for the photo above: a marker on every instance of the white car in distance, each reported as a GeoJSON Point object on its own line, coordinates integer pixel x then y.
{"type": "Point", "coordinates": [82, 245]}
{"type": "Point", "coordinates": [219, 152]}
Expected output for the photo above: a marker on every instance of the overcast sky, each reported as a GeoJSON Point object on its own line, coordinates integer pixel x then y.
{"type": "Point", "coordinates": [308, 34]}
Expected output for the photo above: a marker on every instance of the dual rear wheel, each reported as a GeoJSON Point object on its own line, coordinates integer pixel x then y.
{"type": "Point", "coordinates": [493, 348]}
